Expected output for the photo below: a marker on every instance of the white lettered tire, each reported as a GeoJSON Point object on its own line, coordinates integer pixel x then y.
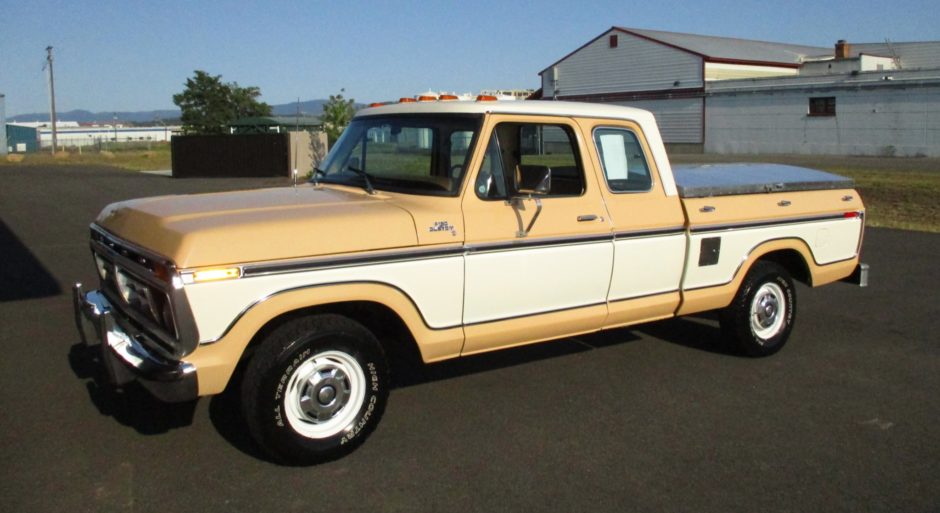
{"type": "Point", "coordinates": [315, 389]}
{"type": "Point", "coordinates": [759, 319]}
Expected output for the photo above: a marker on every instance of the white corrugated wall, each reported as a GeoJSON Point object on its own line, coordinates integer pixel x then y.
{"type": "Point", "coordinates": [679, 120]}
{"type": "Point", "coordinates": [902, 121]}
{"type": "Point", "coordinates": [636, 64]}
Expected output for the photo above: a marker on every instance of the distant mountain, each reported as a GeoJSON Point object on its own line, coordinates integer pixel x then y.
{"type": "Point", "coordinates": [309, 108]}
{"type": "Point", "coordinates": [84, 116]}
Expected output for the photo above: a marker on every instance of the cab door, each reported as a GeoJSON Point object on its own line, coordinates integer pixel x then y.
{"type": "Point", "coordinates": [539, 244]}
{"type": "Point", "coordinates": [647, 221]}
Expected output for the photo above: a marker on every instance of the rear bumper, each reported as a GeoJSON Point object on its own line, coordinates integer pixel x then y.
{"type": "Point", "coordinates": [859, 276]}
{"type": "Point", "coordinates": [125, 358]}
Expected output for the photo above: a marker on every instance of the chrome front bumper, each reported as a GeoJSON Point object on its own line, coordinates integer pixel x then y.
{"type": "Point", "coordinates": [124, 357]}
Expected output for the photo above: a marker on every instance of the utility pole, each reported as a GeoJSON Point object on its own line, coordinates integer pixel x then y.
{"type": "Point", "coordinates": [52, 99]}
{"type": "Point", "coordinates": [3, 127]}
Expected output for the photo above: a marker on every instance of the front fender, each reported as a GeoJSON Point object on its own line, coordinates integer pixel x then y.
{"type": "Point", "coordinates": [217, 361]}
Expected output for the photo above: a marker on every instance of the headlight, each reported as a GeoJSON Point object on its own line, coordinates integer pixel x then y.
{"type": "Point", "coordinates": [147, 300]}
{"type": "Point", "coordinates": [102, 266]}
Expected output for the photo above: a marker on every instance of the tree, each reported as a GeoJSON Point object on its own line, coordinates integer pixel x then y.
{"type": "Point", "coordinates": [337, 112]}
{"type": "Point", "coordinates": [208, 105]}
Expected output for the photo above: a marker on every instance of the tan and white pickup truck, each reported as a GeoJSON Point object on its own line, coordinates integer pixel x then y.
{"type": "Point", "coordinates": [448, 228]}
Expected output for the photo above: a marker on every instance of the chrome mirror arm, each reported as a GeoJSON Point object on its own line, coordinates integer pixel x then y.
{"type": "Point", "coordinates": [517, 203]}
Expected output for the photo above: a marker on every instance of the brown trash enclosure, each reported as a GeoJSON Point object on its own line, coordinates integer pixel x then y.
{"type": "Point", "coordinates": [248, 155]}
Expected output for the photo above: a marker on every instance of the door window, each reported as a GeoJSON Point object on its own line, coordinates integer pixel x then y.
{"type": "Point", "coordinates": [517, 153]}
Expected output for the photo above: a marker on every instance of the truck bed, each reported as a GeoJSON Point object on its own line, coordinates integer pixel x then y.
{"type": "Point", "coordinates": [706, 180]}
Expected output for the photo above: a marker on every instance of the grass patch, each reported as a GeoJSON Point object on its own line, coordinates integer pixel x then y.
{"type": "Point", "coordinates": [898, 192]}
{"type": "Point", "coordinates": [138, 158]}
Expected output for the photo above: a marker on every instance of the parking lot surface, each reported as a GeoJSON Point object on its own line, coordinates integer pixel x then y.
{"type": "Point", "coordinates": [650, 418]}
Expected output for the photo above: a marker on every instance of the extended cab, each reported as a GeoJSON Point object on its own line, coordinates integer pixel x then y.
{"type": "Point", "coordinates": [449, 228]}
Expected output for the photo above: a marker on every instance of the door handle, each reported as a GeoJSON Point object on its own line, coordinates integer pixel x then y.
{"type": "Point", "coordinates": [588, 217]}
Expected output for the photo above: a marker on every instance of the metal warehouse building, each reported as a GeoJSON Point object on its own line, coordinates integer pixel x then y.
{"type": "Point", "coordinates": [730, 95]}
{"type": "Point", "coordinates": [21, 139]}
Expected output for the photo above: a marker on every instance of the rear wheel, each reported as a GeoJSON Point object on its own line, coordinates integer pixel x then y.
{"type": "Point", "coordinates": [315, 389]}
{"type": "Point", "coordinates": [759, 319]}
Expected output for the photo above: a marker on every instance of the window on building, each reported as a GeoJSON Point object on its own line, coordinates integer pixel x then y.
{"type": "Point", "coordinates": [520, 151]}
{"type": "Point", "coordinates": [622, 158]}
{"type": "Point", "coordinates": [612, 41]}
{"type": "Point", "coordinates": [824, 106]}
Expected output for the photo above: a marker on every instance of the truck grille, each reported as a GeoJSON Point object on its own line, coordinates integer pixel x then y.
{"type": "Point", "coordinates": [139, 285]}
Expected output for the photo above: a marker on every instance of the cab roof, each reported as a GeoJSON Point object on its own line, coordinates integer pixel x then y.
{"type": "Point", "coordinates": [522, 107]}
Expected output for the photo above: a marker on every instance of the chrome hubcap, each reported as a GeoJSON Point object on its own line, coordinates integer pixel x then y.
{"type": "Point", "coordinates": [768, 311]}
{"type": "Point", "coordinates": [324, 394]}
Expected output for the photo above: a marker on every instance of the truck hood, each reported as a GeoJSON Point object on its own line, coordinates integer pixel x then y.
{"type": "Point", "coordinates": [259, 225]}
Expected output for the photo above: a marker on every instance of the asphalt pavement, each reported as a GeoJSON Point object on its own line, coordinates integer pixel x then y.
{"type": "Point", "coordinates": [651, 418]}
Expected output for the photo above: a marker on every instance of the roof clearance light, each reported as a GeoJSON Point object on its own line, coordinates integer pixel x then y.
{"type": "Point", "coordinates": [217, 274]}
{"type": "Point", "coordinates": [852, 215]}
{"type": "Point", "coordinates": [486, 98]}
{"type": "Point", "coordinates": [406, 100]}
{"type": "Point", "coordinates": [376, 104]}
{"type": "Point", "coordinates": [448, 97]}
{"type": "Point", "coordinates": [426, 98]}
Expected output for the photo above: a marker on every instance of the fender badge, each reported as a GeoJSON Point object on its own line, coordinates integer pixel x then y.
{"type": "Point", "coordinates": [443, 226]}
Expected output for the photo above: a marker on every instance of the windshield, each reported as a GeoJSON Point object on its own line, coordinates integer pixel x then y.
{"type": "Point", "coordinates": [406, 153]}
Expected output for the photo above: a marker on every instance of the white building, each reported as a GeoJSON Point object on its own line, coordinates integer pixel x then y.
{"type": "Point", "coordinates": [96, 135]}
{"type": "Point", "coordinates": [738, 96]}
{"type": "Point", "coordinates": [850, 103]}
{"type": "Point", "coordinates": [666, 73]}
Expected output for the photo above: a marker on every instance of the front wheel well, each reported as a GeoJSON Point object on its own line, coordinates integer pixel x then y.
{"type": "Point", "coordinates": [401, 349]}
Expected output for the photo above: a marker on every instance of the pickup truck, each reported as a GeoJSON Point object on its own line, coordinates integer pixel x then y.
{"type": "Point", "coordinates": [445, 229]}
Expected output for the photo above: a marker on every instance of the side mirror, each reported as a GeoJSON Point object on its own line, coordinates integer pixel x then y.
{"type": "Point", "coordinates": [533, 180]}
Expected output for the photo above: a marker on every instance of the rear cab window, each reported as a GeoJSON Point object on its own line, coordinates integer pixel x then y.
{"type": "Point", "coordinates": [622, 159]}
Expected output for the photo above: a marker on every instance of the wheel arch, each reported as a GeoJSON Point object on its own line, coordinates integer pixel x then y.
{"type": "Point", "coordinates": [792, 260]}
{"type": "Point", "coordinates": [792, 253]}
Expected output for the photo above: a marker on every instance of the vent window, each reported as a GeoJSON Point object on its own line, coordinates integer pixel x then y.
{"type": "Point", "coordinates": [612, 41]}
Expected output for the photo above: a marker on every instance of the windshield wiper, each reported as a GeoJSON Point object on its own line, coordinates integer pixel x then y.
{"type": "Point", "coordinates": [365, 177]}
{"type": "Point", "coordinates": [317, 172]}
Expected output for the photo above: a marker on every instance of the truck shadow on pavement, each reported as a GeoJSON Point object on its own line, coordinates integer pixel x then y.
{"type": "Point", "coordinates": [134, 407]}
{"type": "Point", "coordinates": [407, 370]}
{"type": "Point", "coordinates": [22, 275]}
{"type": "Point", "coordinates": [699, 331]}
{"type": "Point", "coordinates": [130, 405]}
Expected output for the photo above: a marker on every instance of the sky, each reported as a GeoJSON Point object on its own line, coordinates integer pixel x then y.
{"type": "Point", "coordinates": [131, 56]}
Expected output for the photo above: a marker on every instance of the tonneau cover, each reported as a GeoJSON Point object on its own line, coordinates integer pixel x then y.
{"type": "Point", "coordinates": [699, 181]}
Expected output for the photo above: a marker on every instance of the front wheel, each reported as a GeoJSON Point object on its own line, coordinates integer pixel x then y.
{"type": "Point", "coordinates": [759, 319]}
{"type": "Point", "coordinates": [315, 389]}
